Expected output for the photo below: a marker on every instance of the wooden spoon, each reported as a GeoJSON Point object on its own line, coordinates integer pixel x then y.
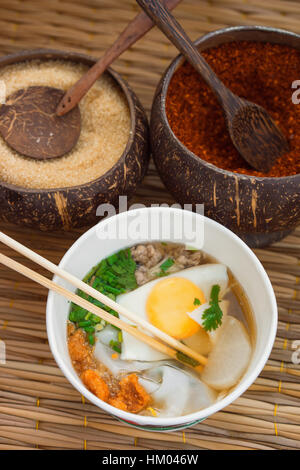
{"type": "Point", "coordinates": [44, 122]}
{"type": "Point", "coordinates": [29, 125]}
{"type": "Point", "coordinates": [252, 130]}
{"type": "Point", "coordinates": [134, 31]}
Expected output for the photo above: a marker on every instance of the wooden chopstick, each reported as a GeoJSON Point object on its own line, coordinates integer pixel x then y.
{"type": "Point", "coordinates": [29, 273]}
{"type": "Point", "coordinates": [35, 257]}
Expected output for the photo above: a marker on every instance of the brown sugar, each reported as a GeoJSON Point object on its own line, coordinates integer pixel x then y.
{"type": "Point", "coordinates": [105, 120]}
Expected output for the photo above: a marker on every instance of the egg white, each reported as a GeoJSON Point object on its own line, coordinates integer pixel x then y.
{"type": "Point", "coordinates": [204, 276]}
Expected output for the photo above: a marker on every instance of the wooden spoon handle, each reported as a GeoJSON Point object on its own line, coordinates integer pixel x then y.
{"type": "Point", "coordinates": [172, 29]}
{"type": "Point", "coordinates": [137, 28]}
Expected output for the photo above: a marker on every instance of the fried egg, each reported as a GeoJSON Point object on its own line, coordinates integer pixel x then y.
{"type": "Point", "coordinates": [166, 302]}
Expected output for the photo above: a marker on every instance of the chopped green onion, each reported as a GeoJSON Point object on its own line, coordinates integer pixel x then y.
{"type": "Point", "coordinates": [188, 360]}
{"type": "Point", "coordinates": [112, 259]}
{"type": "Point", "coordinates": [91, 339]}
{"type": "Point", "coordinates": [190, 248]}
{"type": "Point", "coordinates": [95, 319]}
{"type": "Point", "coordinates": [115, 345]}
{"type": "Point", "coordinates": [112, 276]}
{"type": "Point", "coordinates": [89, 329]}
{"type": "Point", "coordinates": [112, 290]}
{"type": "Point", "coordinates": [83, 324]}
{"type": "Point", "coordinates": [167, 264]}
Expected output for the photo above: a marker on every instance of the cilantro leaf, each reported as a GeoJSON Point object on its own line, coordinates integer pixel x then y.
{"type": "Point", "coordinates": [212, 316]}
{"type": "Point", "coordinates": [197, 301]}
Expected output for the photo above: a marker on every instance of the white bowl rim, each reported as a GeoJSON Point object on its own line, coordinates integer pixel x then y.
{"type": "Point", "coordinates": [178, 420]}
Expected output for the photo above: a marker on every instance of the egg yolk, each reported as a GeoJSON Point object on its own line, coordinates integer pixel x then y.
{"type": "Point", "coordinates": [168, 303]}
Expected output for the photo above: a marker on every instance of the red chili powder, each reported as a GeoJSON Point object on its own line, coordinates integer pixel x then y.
{"type": "Point", "coordinates": [260, 72]}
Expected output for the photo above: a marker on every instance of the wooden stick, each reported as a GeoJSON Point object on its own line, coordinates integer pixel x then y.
{"type": "Point", "coordinates": [10, 263]}
{"type": "Point", "coordinates": [101, 297]}
{"type": "Point", "coordinates": [136, 29]}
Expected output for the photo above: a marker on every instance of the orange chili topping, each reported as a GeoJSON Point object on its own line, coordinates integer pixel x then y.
{"type": "Point", "coordinates": [132, 396]}
{"type": "Point", "coordinates": [95, 384]}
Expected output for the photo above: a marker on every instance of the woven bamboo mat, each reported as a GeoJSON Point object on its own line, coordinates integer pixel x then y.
{"type": "Point", "coordinates": [38, 407]}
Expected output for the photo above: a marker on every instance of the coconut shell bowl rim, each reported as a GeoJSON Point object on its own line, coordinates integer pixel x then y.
{"type": "Point", "coordinates": [179, 60]}
{"type": "Point", "coordinates": [76, 57]}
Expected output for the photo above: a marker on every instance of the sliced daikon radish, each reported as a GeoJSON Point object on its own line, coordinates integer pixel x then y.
{"type": "Point", "coordinates": [199, 342]}
{"type": "Point", "coordinates": [214, 334]}
{"type": "Point", "coordinates": [230, 356]}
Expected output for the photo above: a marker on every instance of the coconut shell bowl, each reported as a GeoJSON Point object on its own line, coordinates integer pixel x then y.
{"type": "Point", "coordinates": [261, 210]}
{"type": "Point", "coordinates": [75, 206]}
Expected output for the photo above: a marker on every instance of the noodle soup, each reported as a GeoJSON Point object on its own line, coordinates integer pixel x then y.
{"type": "Point", "coordinates": [183, 292]}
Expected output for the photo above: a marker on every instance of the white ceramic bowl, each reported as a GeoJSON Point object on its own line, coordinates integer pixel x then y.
{"type": "Point", "coordinates": [219, 242]}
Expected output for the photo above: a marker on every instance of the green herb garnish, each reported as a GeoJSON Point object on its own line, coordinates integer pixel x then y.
{"type": "Point", "coordinates": [115, 345]}
{"type": "Point", "coordinates": [84, 324]}
{"type": "Point", "coordinates": [165, 266]}
{"type": "Point", "coordinates": [89, 329]}
{"type": "Point", "coordinates": [188, 360]}
{"type": "Point", "coordinates": [112, 276]}
{"type": "Point", "coordinates": [197, 301]}
{"type": "Point", "coordinates": [91, 339]}
{"type": "Point", "coordinates": [77, 314]}
{"type": "Point", "coordinates": [212, 316]}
